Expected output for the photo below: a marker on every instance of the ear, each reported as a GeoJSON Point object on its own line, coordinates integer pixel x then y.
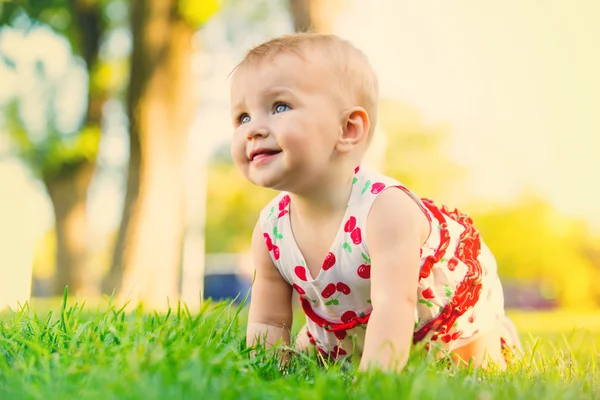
{"type": "Point", "coordinates": [355, 129]}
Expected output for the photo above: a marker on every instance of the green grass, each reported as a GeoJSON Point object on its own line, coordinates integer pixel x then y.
{"type": "Point", "coordinates": [79, 352]}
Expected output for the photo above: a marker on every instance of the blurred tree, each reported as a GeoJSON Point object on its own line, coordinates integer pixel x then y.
{"type": "Point", "coordinates": [533, 242]}
{"type": "Point", "coordinates": [314, 15]}
{"type": "Point", "coordinates": [65, 163]}
{"type": "Point", "coordinates": [147, 254]}
{"type": "Point", "coordinates": [415, 153]}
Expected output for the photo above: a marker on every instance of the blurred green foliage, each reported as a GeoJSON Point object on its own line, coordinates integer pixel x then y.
{"type": "Point", "coordinates": [53, 153]}
{"type": "Point", "coordinates": [198, 12]}
{"type": "Point", "coordinates": [533, 242]}
{"type": "Point", "coordinates": [57, 155]}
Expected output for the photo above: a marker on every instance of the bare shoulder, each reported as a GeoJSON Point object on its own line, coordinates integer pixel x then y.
{"type": "Point", "coordinates": [395, 214]}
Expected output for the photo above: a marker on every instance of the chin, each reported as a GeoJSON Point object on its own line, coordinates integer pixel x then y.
{"type": "Point", "coordinates": [262, 181]}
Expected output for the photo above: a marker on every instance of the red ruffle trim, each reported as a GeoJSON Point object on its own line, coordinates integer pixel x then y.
{"type": "Point", "coordinates": [468, 290]}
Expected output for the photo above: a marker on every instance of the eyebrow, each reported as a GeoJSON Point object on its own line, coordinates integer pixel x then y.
{"type": "Point", "coordinates": [270, 92]}
{"type": "Point", "coordinates": [278, 90]}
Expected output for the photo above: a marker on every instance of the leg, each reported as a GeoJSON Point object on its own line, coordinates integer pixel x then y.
{"type": "Point", "coordinates": [491, 347]}
{"type": "Point", "coordinates": [483, 350]}
{"type": "Point", "coordinates": [303, 343]}
{"type": "Point", "coordinates": [510, 334]}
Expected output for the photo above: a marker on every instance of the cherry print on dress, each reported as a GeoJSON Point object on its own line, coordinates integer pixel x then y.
{"type": "Point", "coordinates": [364, 271]}
{"type": "Point", "coordinates": [448, 290]}
{"type": "Point", "coordinates": [328, 291]}
{"type": "Point", "coordinates": [283, 203]}
{"type": "Point", "coordinates": [298, 289]}
{"type": "Point", "coordinates": [377, 187]}
{"type": "Point", "coordinates": [340, 335]}
{"type": "Point", "coordinates": [472, 318]}
{"type": "Point", "coordinates": [300, 272]}
{"type": "Point", "coordinates": [355, 234]}
{"type": "Point", "coordinates": [271, 247]}
{"type": "Point", "coordinates": [329, 261]}
{"type": "Point", "coordinates": [350, 224]}
{"type": "Point", "coordinates": [343, 288]}
{"type": "Point", "coordinates": [348, 316]}
{"type": "Point", "coordinates": [331, 289]}
{"type": "Point", "coordinates": [468, 290]}
{"type": "Point", "coordinates": [366, 187]}
{"type": "Point", "coordinates": [335, 352]}
{"type": "Point", "coordinates": [428, 294]}
{"type": "Point", "coordinates": [452, 263]}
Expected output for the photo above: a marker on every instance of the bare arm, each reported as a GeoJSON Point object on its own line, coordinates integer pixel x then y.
{"type": "Point", "coordinates": [396, 228]}
{"type": "Point", "coordinates": [270, 316]}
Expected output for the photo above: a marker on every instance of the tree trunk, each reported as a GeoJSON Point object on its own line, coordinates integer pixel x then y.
{"type": "Point", "coordinates": [69, 199]}
{"type": "Point", "coordinates": [148, 249]}
{"type": "Point", "coordinates": [315, 15]}
{"type": "Point", "coordinates": [68, 190]}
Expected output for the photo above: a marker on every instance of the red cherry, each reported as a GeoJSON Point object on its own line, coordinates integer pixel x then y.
{"type": "Point", "coordinates": [357, 169]}
{"type": "Point", "coordinates": [472, 318]}
{"type": "Point", "coordinates": [329, 261]}
{"type": "Point", "coordinates": [268, 241]}
{"type": "Point", "coordinates": [341, 335]}
{"type": "Point", "coordinates": [284, 202]}
{"type": "Point", "coordinates": [300, 272]}
{"type": "Point", "coordinates": [342, 287]}
{"type": "Point", "coordinates": [356, 236]}
{"type": "Point", "coordinates": [452, 263]}
{"type": "Point", "coordinates": [350, 225]}
{"type": "Point", "coordinates": [348, 316]}
{"type": "Point", "coordinates": [282, 213]}
{"type": "Point", "coordinates": [328, 291]}
{"type": "Point", "coordinates": [299, 289]}
{"type": "Point", "coordinates": [275, 252]}
{"type": "Point", "coordinates": [428, 294]}
{"type": "Point", "coordinates": [377, 187]}
{"type": "Point", "coordinates": [364, 271]}
{"type": "Point", "coordinates": [337, 351]}
{"type": "Point", "coordinates": [323, 352]}
{"type": "Point", "coordinates": [456, 335]}
{"type": "Point", "coordinates": [446, 338]}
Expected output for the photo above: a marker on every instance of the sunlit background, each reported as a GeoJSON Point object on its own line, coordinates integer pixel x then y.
{"type": "Point", "coordinates": [488, 106]}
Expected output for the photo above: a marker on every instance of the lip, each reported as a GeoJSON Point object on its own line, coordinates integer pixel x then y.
{"type": "Point", "coordinates": [264, 153]}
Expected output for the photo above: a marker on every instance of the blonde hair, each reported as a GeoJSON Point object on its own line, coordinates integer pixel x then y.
{"type": "Point", "coordinates": [356, 78]}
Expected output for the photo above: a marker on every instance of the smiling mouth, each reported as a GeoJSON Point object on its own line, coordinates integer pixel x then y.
{"type": "Point", "coordinates": [261, 154]}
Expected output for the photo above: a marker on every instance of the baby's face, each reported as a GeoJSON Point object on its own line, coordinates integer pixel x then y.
{"type": "Point", "coordinates": [286, 120]}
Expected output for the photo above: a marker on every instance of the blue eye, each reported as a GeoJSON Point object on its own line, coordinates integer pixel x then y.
{"type": "Point", "coordinates": [281, 107]}
{"type": "Point", "coordinates": [244, 119]}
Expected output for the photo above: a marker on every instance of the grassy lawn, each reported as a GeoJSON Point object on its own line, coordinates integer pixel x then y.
{"type": "Point", "coordinates": [102, 352]}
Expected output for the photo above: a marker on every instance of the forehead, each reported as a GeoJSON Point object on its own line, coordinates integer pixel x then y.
{"type": "Point", "coordinates": [306, 72]}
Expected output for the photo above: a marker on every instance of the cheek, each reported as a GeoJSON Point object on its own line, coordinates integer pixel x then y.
{"type": "Point", "coordinates": [238, 151]}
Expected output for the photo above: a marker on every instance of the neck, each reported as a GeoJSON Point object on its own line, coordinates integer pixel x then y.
{"type": "Point", "coordinates": [326, 199]}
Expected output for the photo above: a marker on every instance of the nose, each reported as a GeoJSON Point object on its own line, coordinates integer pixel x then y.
{"type": "Point", "coordinates": [258, 132]}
